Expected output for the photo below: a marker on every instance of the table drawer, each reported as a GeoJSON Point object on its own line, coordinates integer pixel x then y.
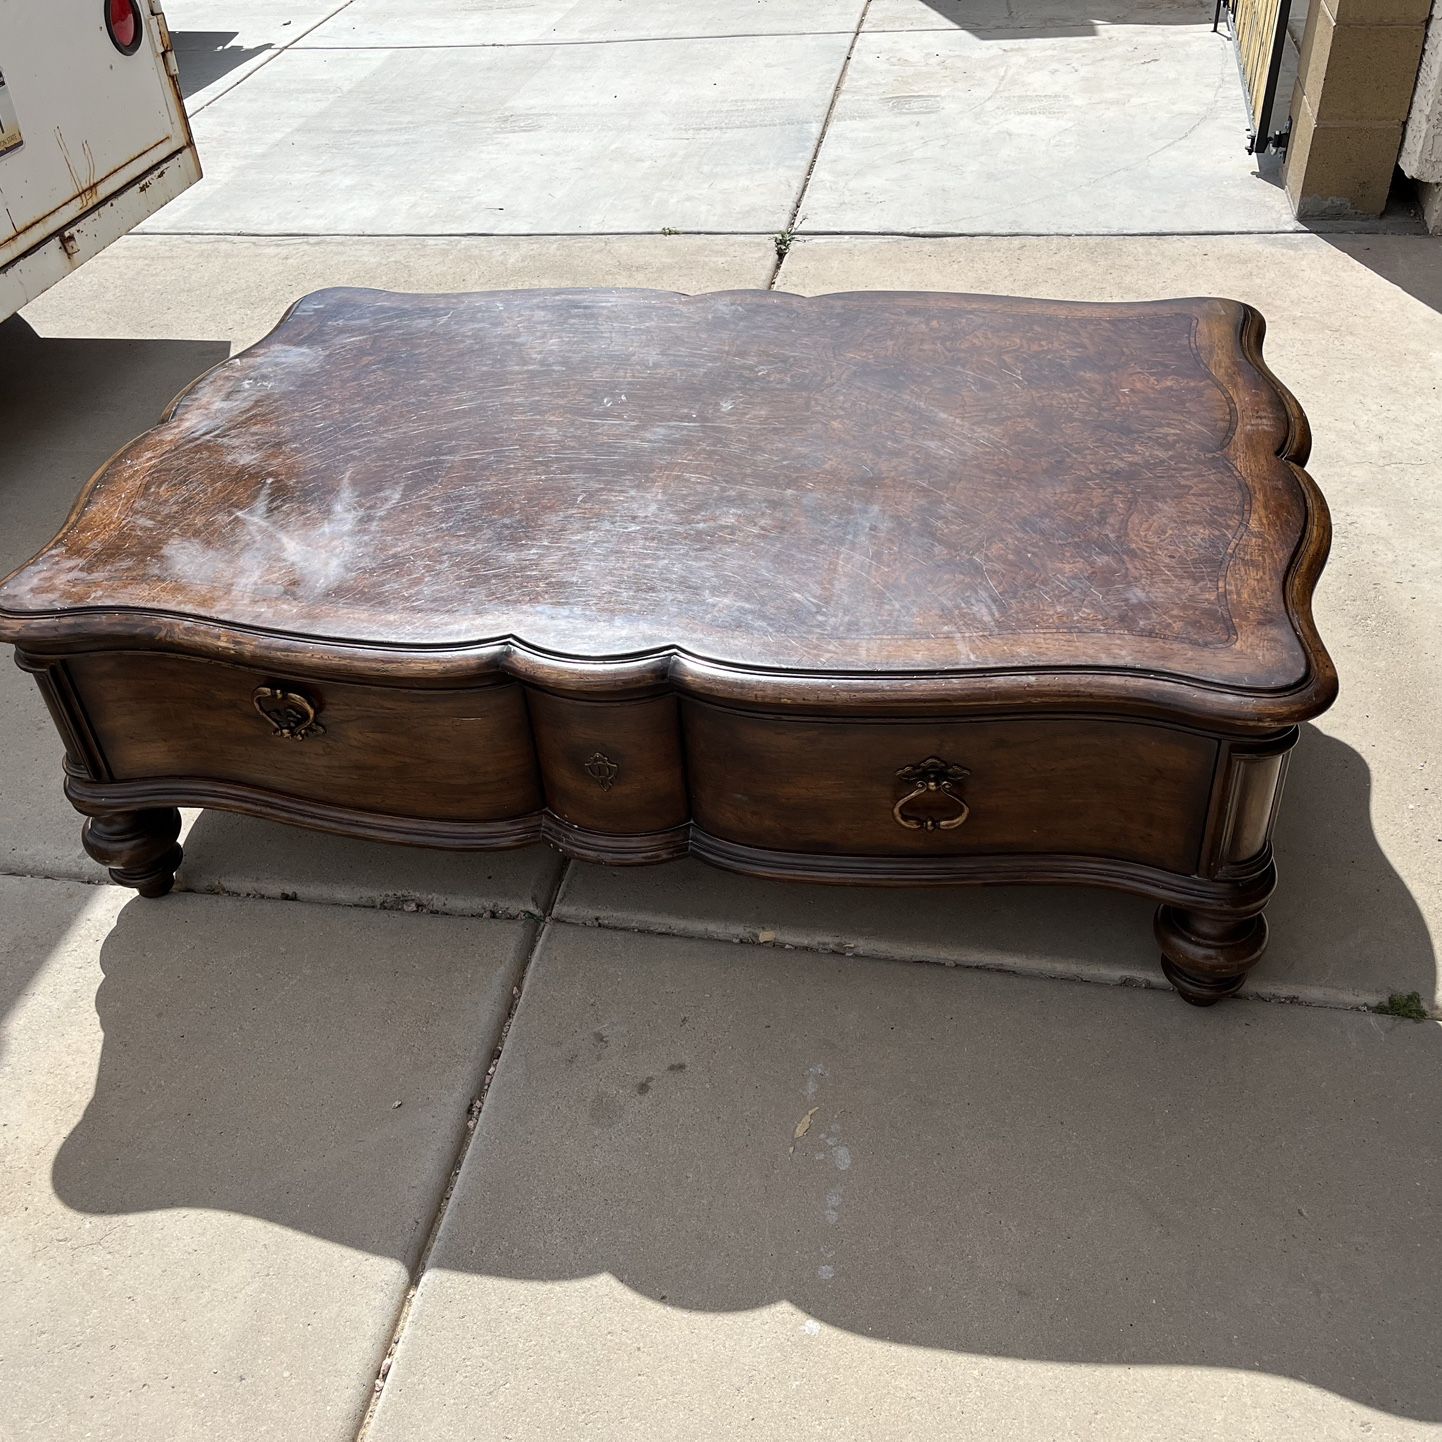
{"type": "Point", "coordinates": [1078, 786]}
{"type": "Point", "coordinates": [610, 766]}
{"type": "Point", "coordinates": [462, 755]}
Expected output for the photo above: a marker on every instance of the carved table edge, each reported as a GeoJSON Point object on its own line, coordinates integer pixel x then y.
{"type": "Point", "coordinates": [1115, 692]}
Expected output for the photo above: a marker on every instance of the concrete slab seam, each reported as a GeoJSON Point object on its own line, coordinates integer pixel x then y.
{"type": "Point", "coordinates": [392, 901]}
{"type": "Point", "coordinates": [473, 1117]}
{"type": "Point", "coordinates": [1059, 29]}
{"type": "Point", "coordinates": [1319, 997]}
{"type": "Point", "coordinates": [275, 51]}
{"type": "Point", "coordinates": [545, 44]}
{"type": "Point", "coordinates": [783, 240]}
{"type": "Point", "coordinates": [1298, 996]}
{"type": "Point", "coordinates": [1410, 226]}
{"type": "Point", "coordinates": [1374, 225]}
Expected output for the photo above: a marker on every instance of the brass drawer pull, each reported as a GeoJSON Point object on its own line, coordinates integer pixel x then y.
{"type": "Point", "coordinates": [290, 713]}
{"type": "Point", "coordinates": [936, 776]}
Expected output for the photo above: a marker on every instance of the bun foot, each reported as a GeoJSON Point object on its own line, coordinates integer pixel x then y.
{"type": "Point", "coordinates": [138, 847]}
{"type": "Point", "coordinates": [1207, 955]}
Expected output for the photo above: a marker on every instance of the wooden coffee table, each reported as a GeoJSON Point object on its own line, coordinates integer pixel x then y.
{"type": "Point", "coordinates": [895, 588]}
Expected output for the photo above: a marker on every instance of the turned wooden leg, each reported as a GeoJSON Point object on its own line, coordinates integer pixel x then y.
{"type": "Point", "coordinates": [1206, 955]}
{"type": "Point", "coordinates": [138, 847]}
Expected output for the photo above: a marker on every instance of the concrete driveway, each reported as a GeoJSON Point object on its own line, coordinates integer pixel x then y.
{"type": "Point", "coordinates": [344, 1140]}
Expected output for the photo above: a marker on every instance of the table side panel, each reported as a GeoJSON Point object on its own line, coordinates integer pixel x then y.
{"type": "Point", "coordinates": [462, 755]}
{"type": "Point", "coordinates": [1170, 811]}
{"type": "Point", "coordinates": [1131, 791]}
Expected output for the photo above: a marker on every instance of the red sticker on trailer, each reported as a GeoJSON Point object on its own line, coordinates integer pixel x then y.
{"type": "Point", "coordinates": [10, 137]}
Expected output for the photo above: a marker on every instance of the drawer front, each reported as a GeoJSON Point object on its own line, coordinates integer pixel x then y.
{"type": "Point", "coordinates": [611, 766]}
{"type": "Point", "coordinates": [443, 755]}
{"type": "Point", "coordinates": [1074, 786]}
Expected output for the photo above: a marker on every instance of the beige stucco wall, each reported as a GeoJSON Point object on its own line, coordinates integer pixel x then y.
{"type": "Point", "coordinates": [1354, 90]}
{"type": "Point", "coordinates": [1421, 155]}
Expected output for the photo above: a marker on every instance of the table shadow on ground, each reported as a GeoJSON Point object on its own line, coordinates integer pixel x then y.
{"type": "Point", "coordinates": [1342, 918]}
{"type": "Point", "coordinates": [1411, 262]}
{"type": "Point", "coordinates": [1033, 1168]}
{"type": "Point", "coordinates": [66, 405]}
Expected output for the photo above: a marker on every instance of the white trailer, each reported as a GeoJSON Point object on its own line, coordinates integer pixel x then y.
{"type": "Point", "coordinates": [93, 133]}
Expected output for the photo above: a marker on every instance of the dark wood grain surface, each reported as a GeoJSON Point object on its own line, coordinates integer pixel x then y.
{"type": "Point", "coordinates": [873, 486]}
{"type": "Point", "coordinates": [1048, 784]}
{"type": "Point", "coordinates": [463, 754]}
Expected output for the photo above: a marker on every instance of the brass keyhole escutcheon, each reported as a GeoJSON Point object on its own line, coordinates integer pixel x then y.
{"type": "Point", "coordinates": [932, 777]}
{"type": "Point", "coordinates": [602, 770]}
{"type": "Point", "coordinates": [291, 713]}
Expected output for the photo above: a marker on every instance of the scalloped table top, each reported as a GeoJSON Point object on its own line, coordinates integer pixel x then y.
{"type": "Point", "coordinates": [872, 485]}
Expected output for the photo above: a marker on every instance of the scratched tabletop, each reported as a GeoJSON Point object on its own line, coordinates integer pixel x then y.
{"type": "Point", "coordinates": [878, 482]}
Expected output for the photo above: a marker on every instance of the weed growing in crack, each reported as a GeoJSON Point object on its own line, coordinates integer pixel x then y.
{"type": "Point", "coordinates": [1407, 1005]}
